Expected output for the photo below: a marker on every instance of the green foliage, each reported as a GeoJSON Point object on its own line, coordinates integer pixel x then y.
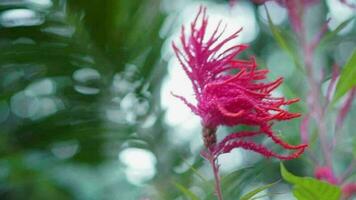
{"type": "Point", "coordinates": [235, 182]}
{"type": "Point", "coordinates": [307, 188]}
{"type": "Point", "coordinates": [189, 194]}
{"type": "Point", "coordinates": [331, 35]}
{"type": "Point", "coordinates": [347, 77]}
{"type": "Point", "coordinates": [250, 195]}
{"type": "Point", "coordinates": [65, 61]}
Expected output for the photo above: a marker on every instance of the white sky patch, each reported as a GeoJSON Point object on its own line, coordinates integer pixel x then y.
{"type": "Point", "coordinates": [278, 13]}
{"type": "Point", "coordinates": [230, 161]}
{"type": "Point", "coordinates": [20, 17]}
{"type": "Point", "coordinates": [139, 164]}
{"type": "Point", "coordinates": [240, 16]}
{"type": "Point", "coordinates": [339, 13]}
{"type": "Point", "coordinates": [185, 124]}
{"type": "Point", "coordinates": [178, 83]}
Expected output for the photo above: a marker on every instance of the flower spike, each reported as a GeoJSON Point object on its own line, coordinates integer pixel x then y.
{"type": "Point", "coordinates": [225, 98]}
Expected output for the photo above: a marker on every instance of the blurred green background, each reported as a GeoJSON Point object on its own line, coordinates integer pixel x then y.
{"type": "Point", "coordinates": [85, 105]}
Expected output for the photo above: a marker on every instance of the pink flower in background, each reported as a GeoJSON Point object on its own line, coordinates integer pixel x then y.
{"type": "Point", "coordinates": [285, 2]}
{"type": "Point", "coordinates": [326, 174]}
{"type": "Point", "coordinates": [224, 98]}
{"type": "Point", "coordinates": [349, 190]}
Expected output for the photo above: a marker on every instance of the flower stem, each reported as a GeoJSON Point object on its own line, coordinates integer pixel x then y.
{"type": "Point", "coordinates": [209, 137]}
{"type": "Point", "coordinates": [218, 191]}
{"type": "Point", "coordinates": [215, 166]}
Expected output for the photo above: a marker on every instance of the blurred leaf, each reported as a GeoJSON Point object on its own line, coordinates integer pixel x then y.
{"type": "Point", "coordinates": [329, 36]}
{"type": "Point", "coordinates": [78, 72]}
{"type": "Point", "coordinates": [235, 182]}
{"type": "Point", "coordinates": [251, 194]}
{"type": "Point", "coordinates": [283, 43]}
{"type": "Point", "coordinates": [307, 188]}
{"type": "Point", "coordinates": [194, 170]}
{"type": "Point", "coordinates": [266, 195]}
{"type": "Point", "coordinates": [189, 194]}
{"type": "Point", "coordinates": [347, 78]}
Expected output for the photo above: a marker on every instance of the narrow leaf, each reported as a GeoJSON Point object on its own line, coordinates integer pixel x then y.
{"type": "Point", "coordinates": [252, 193]}
{"type": "Point", "coordinates": [194, 170]}
{"type": "Point", "coordinates": [278, 36]}
{"type": "Point", "coordinates": [329, 36]}
{"type": "Point", "coordinates": [347, 78]}
{"type": "Point", "coordinates": [189, 194]}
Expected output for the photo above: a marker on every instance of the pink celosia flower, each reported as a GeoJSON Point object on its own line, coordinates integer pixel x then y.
{"type": "Point", "coordinates": [349, 190]}
{"type": "Point", "coordinates": [326, 174]}
{"type": "Point", "coordinates": [230, 99]}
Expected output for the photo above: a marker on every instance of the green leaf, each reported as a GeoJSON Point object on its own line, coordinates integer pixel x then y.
{"type": "Point", "coordinates": [194, 170]}
{"type": "Point", "coordinates": [347, 78]}
{"type": "Point", "coordinates": [307, 188]}
{"type": "Point", "coordinates": [234, 183]}
{"type": "Point", "coordinates": [278, 36]}
{"type": "Point", "coordinates": [189, 194]}
{"type": "Point", "coordinates": [333, 33]}
{"type": "Point", "coordinates": [252, 193]}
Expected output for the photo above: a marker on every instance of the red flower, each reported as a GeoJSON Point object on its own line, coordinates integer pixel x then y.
{"type": "Point", "coordinates": [326, 174]}
{"type": "Point", "coordinates": [223, 98]}
{"type": "Point", "coordinates": [349, 190]}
